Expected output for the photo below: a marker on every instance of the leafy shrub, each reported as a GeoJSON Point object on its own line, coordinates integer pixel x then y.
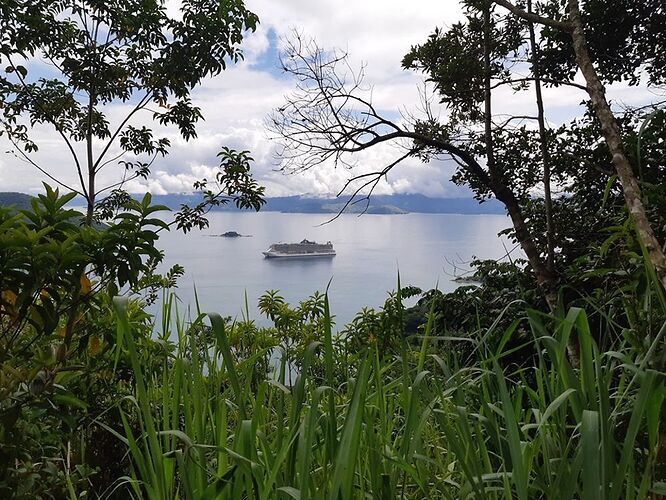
{"type": "Point", "coordinates": [59, 360]}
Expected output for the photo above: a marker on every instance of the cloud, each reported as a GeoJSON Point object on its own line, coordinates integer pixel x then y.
{"type": "Point", "coordinates": [375, 33]}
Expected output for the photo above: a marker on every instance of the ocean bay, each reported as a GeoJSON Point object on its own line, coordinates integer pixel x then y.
{"type": "Point", "coordinates": [371, 250]}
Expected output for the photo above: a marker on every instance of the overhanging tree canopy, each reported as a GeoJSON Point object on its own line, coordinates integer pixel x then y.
{"type": "Point", "coordinates": [328, 117]}
{"type": "Point", "coordinates": [103, 53]}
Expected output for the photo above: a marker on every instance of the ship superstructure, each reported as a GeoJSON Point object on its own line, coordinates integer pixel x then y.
{"type": "Point", "coordinates": [305, 248]}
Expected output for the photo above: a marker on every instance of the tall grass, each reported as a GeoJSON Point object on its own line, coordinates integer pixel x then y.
{"type": "Point", "coordinates": [417, 424]}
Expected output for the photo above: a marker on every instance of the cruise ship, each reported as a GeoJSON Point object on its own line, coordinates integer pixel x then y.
{"type": "Point", "coordinates": [303, 249]}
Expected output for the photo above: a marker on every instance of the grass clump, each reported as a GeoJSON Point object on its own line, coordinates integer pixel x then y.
{"type": "Point", "coordinates": [409, 420]}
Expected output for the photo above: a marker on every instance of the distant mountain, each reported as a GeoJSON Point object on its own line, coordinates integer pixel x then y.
{"type": "Point", "coordinates": [19, 200]}
{"type": "Point", "coordinates": [334, 208]}
{"type": "Point", "coordinates": [380, 204]}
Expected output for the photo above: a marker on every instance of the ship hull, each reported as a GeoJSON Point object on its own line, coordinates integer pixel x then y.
{"type": "Point", "coordinates": [274, 255]}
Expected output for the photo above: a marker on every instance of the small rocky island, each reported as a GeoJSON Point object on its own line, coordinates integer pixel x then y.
{"type": "Point", "coordinates": [232, 234]}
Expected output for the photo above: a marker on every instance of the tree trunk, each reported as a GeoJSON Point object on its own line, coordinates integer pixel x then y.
{"type": "Point", "coordinates": [543, 275]}
{"type": "Point", "coordinates": [611, 132]}
{"type": "Point", "coordinates": [545, 155]}
{"type": "Point", "coordinates": [90, 160]}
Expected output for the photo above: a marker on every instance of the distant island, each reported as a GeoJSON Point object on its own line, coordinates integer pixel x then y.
{"type": "Point", "coordinates": [232, 234]}
{"type": "Point", "coordinates": [20, 201]}
{"type": "Point", "coordinates": [380, 204]}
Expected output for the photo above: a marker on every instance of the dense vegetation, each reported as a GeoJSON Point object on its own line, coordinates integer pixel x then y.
{"type": "Point", "coordinates": [480, 400]}
{"type": "Point", "coordinates": [545, 380]}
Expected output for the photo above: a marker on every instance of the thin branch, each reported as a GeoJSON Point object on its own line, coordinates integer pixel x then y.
{"type": "Point", "coordinates": [535, 18]}
{"type": "Point", "coordinates": [144, 100]}
{"type": "Point", "coordinates": [119, 183]}
{"type": "Point", "coordinates": [125, 178]}
{"type": "Point", "coordinates": [512, 81]}
{"type": "Point", "coordinates": [111, 160]}
{"type": "Point", "coordinates": [58, 129]}
{"type": "Point", "coordinates": [375, 180]}
{"type": "Point", "coordinates": [514, 118]}
{"type": "Point", "coordinates": [27, 159]}
{"type": "Point", "coordinates": [551, 81]}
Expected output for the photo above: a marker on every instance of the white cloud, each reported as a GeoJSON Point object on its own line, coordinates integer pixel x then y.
{"type": "Point", "coordinates": [234, 104]}
{"type": "Point", "coordinates": [379, 32]}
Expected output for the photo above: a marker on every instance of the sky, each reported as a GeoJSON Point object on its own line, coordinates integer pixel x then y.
{"type": "Point", "coordinates": [376, 33]}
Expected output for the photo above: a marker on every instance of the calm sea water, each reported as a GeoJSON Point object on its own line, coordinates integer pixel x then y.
{"type": "Point", "coordinates": [371, 250]}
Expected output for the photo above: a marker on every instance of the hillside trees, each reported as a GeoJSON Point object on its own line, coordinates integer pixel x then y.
{"type": "Point", "coordinates": [72, 67]}
{"type": "Point", "coordinates": [69, 64]}
{"type": "Point", "coordinates": [637, 48]}
{"type": "Point", "coordinates": [331, 117]}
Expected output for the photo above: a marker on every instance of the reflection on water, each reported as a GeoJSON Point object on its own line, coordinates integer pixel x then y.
{"type": "Point", "coordinates": [302, 263]}
{"type": "Point", "coordinates": [371, 250]}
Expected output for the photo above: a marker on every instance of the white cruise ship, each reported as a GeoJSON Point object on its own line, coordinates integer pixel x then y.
{"type": "Point", "coordinates": [297, 250]}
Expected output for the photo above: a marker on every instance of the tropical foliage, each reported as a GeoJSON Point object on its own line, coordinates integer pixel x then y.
{"type": "Point", "coordinates": [541, 378]}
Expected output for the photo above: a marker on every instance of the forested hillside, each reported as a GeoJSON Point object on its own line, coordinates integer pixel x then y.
{"type": "Point", "coordinates": [18, 200]}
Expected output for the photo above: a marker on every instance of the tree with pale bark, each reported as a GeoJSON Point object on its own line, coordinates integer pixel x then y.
{"type": "Point", "coordinates": [651, 60]}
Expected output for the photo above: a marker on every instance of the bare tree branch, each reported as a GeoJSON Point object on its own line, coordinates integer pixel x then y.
{"type": "Point", "coordinates": [330, 118]}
